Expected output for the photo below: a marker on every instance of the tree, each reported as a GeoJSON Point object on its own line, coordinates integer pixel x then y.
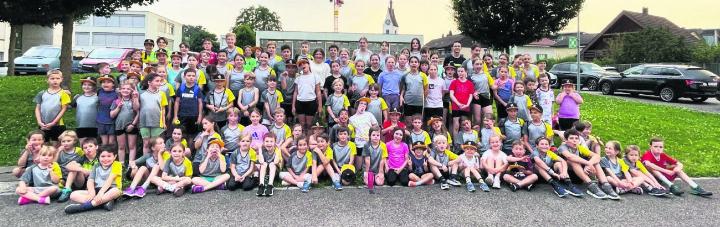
{"type": "Point", "coordinates": [244, 35]}
{"type": "Point", "coordinates": [650, 45]}
{"type": "Point", "coordinates": [502, 23]}
{"type": "Point", "coordinates": [194, 35]}
{"type": "Point", "coordinates": [16, 13]}
{"type": "Point", "coordinates": [704, 53]}
{"type": "Point", "coordinates": [259, 18]}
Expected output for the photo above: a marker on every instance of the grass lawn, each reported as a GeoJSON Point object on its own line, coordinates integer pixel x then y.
{"type": "Point", "coordinates": [690, 136]}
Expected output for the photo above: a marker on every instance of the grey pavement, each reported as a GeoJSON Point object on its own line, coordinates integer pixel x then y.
{"type": "Point", "coordinates": [712, 105]}
{"type": "Point", "coordinates": [391, 206]}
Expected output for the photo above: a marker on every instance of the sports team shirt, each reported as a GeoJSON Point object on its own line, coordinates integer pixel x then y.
{"type": "Point", "coordinates": [549, 157]}
{"type": "Point", "coordinates": [272, 99]}
{"type": "Point", "coordinates": [347, 71]}
{"type": "Point", "coordinates": [51, 104]}
{"type": "Point", "coordinates": [523, 103]}
{"type": "Point", "coordinates": [66, 157]}
{"type": "Point", "coordinates": [471, 161]}
{"type": "Point", "coordinates": [300, 162]}
{"type": "Point", "coordinates": [637, 165]}
{"type": "Point", "coordinates": [435, 93]}
{"type": "Point", "coordinates": [490, 154]}
{"type": "Point", "coordinates": [376, 154]}
{"type": "Point", "coordinates": [414, 85]}
{"type": "Point", "coordinates": [361, 82]}
{"type": "Point", "coordinates": [580, 150]}
{"type": "Point", "coordinates": [242, 161]}
{"type": "Point", "coordinates": [87, 163]}
{"type": "Point", "coordinates": [247, 95]}
{"type": "Point", "coordinates": [341, 154]}
{"type": "Point", "coordinates": [105, 100]}
{"type": "Point", "coordinates": [151, 103]}
{"type": "Point", "coordinates": [485, 134]}
{"type": "Point", "coordinates": [513, 131]}
{"type": "Point", "coordinates": [281, 132]}
{"type": "Point", "coordinates": [200, 154]}
{"type": "Point", "coordinates": [86, 111]}
{"type": "Point", "coordinates": [617, 167]}
{"type": "Point", "coordinates": [36, 176]}
{"type": "Point", "coordinates": [199, 75]}
{"type": "Point", "coordinates": [450, 59]}
{"type": "Point", "coordinates": [231, 136]}
{"type": "Point", "coordinates": [362, 122]}
{"type": "Point", "coordinates": [517, 168]}
{"type": "Point", "coordinates": [169, 90]}
{"type": "Point", "coordinates": [150, 58]}
{"type": "Point", "coordinates": [328, 153]}
{"type": "Point", "coordinates": [151, 161]}
{"type": "Point", "coordinates": [289, 87]}
{"type": "Point", "coordinates": [663, 160]}
{"type": "Point", "coordinates": [537, 130]}
{"type": "Point", "coordinates": [184, 169]}
{"type": "Point", "coordinates": [126, 114]}
{"type": "Point", "coordinates": [224, 68]}
{"type": "Point", "coordinates": [233, 51]}
{"type": "Point", "coordinates": [212, 169]}
{"type": "Point", "coordinates": [219, 99]}
{"type": "Point", "coordinates": [188, 104]}
{"type": "Point", "coordinates": [545, 99]}
{"type": "Point", "coordinates": [376, 107]}
{"type": "Point", "coordinates": [169, 143]}
{"type": "Point", "coordinates": [464, 136]}
{"type": "Point", "coordinates": [482, 83]}
{"type": "Point", "coordinates": [417, 164]}
{"type": "Point", "coordinates": [396, 154]}
{"type": "Point", "coordinates": [443, 157]}
{"type": "Point", "coordinates": [236, 80]}
{"type": "Point", "coordinates": [422, 136]}
{"type": "Point", "coordinates": [336, 104]}
{"type": "Point", "coordinates": [462, 92]}
{"type": "Point", "coordinates": [270, 156]}
{"type": "Point", "coordinates": [101, 174]}
{"type": "Point", "coordinates": [305, 85]}
{"type": "Point", "coordinates": [261, 76]}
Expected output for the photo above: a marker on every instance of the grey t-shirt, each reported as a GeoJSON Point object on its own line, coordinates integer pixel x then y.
{"type": "Point", "coordinates": [375, 108]}
{"type": "Point", "coordinates": [440, 156]}
{"type": "Point", "coordinates": [231, 136]}
{"type": "Point", "coordinates": [86, 111]}
{"type": "Point", "coordinates": [289, 89]}
{"type": "Point", "coordinates": [241, 161]}
{"type": "Point", "coordinates": [481, 83]}
{"type": "Point", "coordinates": [212, 169]}
{"type": "Point", "coordinates": [35, 176]}
{"type": "Point", "coordinates": [125, 116]}
{"type": "Point", "coordinates": [101, 174]}
{"type": "Point", "coordinates": [261, 77]}
{"type": "Point", "coordinates": [336, 104]}
{"type": "Point", "coordinates": [50, 104]}
{"type": "Point", "coordinates": [66, 157]}
{"type": "Point", "coordinates": [148, 160]}
{"type": "Point", "coordinates": [522, 103]}
{"type": "Point", "coordinates": [217, 99]}
{"type": "Point", "coordinates": [247, 95]}
{"type": "Point", "coordinates": [513, 131]}
{"type": "Point", "coordinates": [534, 132]}
{"type": "Point", "coordinates": [268, 156]}
{"type": "Point", "coordinates": [414, 89]}
{"type": "Point", "coordinates": [615, 167]}
{"type": "Point", "coordinates": [271, 100]}
{"type": "Point", "coordinates": [236, 81]}
{"type": "Point", "coordinates": [361, 83]}
{"type": "Point", "coordinates": [299, 164]}
{"type": "Point", "coordinates": [150, 107]}
{"type": "Point", "coordinates": [174, 170]}
{"type": "Point", "coordinates": [375, 154]}
{"type": "Point", "coordinates": [485, 134]}
{"type": "Point", "coordinates": [341, 154]}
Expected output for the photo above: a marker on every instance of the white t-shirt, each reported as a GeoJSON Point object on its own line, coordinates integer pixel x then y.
{"type": "Point", "coordinates": [365, 56]}
{"type": "Point", "coordinates": [435, 93]}
{"type": "Point", "coordinates": [489, 154]}
{"type": "Point", "coordinates": [321, 71]}
{"type": "Point", "coordinates": [305, 85]}
{"type": "Point", "coordinates": [362, 124]}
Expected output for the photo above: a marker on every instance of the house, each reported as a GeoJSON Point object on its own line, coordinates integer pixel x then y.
{"type": "Point", "coordinates": [710, 36]}
{"type": "Point", "coordinates": [545, 48]}
{"type": "Point", "coordinates": [443, 46]}
{"type": "Point", "coordinates": [126, 29]}
{"type": "Point", "coordinates": [627, 22]}
{"type": "Point", "coordinates": [29, 36]}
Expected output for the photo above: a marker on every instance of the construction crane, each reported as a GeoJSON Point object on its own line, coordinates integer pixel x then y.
{"type": "Point", "coordinates": [336, 12]}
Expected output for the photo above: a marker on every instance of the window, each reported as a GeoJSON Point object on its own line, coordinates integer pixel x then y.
{"type": "Point", "coordinates": [2, 56]}
{"type": "Point", "coordinates": [572, 67]}
{"type": "Point", "coordinates": [670, 72]}
{"type": "Point", "coordinates": [387, 31]}
{"type": "Point", "coordinates": [82, 39]}
{"type": "Point", "coordinates": [172, 29]}
{"type": "Point", "coordinates": [653, 71]}
{"type": "Point", "coordinates": [637, 70]}
{"type": "Point", "coordinates": [161, 25]}
{"type": "Point", "coordinates": [117, 40]}
{"type": "Point", "coordinates": [138, 21]}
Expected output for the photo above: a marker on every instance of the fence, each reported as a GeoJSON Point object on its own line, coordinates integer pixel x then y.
{"type": "Point", "coordinates": [712, 67]}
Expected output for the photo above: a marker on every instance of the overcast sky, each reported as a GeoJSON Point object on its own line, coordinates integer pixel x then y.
{"type": "Point", "coordinates": [430, 18]}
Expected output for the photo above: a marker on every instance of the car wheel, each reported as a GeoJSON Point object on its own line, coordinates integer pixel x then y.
{"type": "Point", "coordinates": [591, 84]}
{"type": "Point", "coordinates": [606, 88]}
{"type": "Point", "coordinates": [699, 99]}
{"type": "Point", "coordinates": [667, 94]}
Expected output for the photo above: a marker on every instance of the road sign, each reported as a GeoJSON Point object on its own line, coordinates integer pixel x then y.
{"type": "Point", "coordinates": [572, 42]}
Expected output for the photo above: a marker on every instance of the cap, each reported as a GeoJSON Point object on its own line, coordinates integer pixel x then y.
{"type": "Point", "coordinates": [105, 77]}
{"type": "Point", "coordinates": [347, 172]}
{"type": "Point", "coordinates": [302, 61]}
{"type": "Point", "coordinates": [132, 74]}
{"type": "Point", "coordinates": [567, 82]}
{"type": "Point", "coordinates": [511, 105]}
{"type": "Point", "coordinates": [363, 99]}
{"type": "Point", "coordinates": [161, 51]}
{"type": "Point", "coordinates": [317, 125]}
{"type": "Point", "coordinates": [176, 54]}
{"type": "Point", "coordinates": [450, 66]}
{"type": "Point", "coordinates": [419, 145]}
{"type": "Point", "coordinates": [536, 107]}
{"type": "Point", "coordinates": [149, 41]}
{"type": "Point", "coordinates": [135, 62]}
{"type": "Point", "coordinates": [290, 62]}
{"type": "Point", "coordinates": [217, 141]}
{"type": "Point", "coordinates": [469, 144]}
{"type": "Point", "coordinates": [394, 111]}
{"type": "Point", "coordinates": [88, 79]}
{"type": "Point", "coordinates": [434, 119]}
{"type": "Point", "coordinates": [218, 76]}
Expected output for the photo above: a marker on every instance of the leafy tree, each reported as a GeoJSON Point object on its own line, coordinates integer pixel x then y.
{"type": "Point", "coordinates": [259, 18]}
{"type": "Point", "coordinates": [194, 35]}
{"type": "Point", "coordinates": [503, 23]}
{"type": "Point", "coordinates": [245, 35]}
{"type": "Point", "coordinates": [650, 45]}
{"type": "Point", "coordinates": [704, 53]}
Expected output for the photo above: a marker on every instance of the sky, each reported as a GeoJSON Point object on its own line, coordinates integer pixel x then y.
{"type": "Point", "coordinates": [430, 18]}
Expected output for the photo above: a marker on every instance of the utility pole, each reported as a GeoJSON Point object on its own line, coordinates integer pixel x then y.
{"type": "Point", "coordinates": [577, 81]}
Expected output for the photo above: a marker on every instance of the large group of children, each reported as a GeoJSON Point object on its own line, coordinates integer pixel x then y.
{"type": "Point", "coordinates": [243, 118]}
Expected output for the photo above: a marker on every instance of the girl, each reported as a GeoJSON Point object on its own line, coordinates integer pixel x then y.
{"type": "Point", "coordinates": [151, 166]}
{"type": "Point", "coordinates": [270, 160]}
{"type": "Point", "coordinates": [336, 102]}
{"type": "Point", "coordinates": [212, 169]}
{"type": "Point", "coordinates": [219, 100]}
{"type": "Point", "coordinates": [637, 169]}
{"type": "Point", "coordinates": [153, 101]}
{"type": "Point", "coordinates": [384, 53]}
{"type": "Point", "coordinates": [317, 67]}
{"type": "Point", "coordinates": [347, 68]}
{"type": "Point", "coordinates": [207, 47]}
{"type": "Point", "coordinates": [502, 62]}
{"type": "Point", "coordinates": [67, 152]}
{"type": "Point", "coordinates": [417, 134]}
{"type": "Point", "coordinates": [483, 82]}
{"type": "Point", "coordinates": [232, 131]}
{"type": "Point", "coordinates": [391, 123]}
{"type": "Point", "coordinates": [520, 172]}
{"type": "Point", "coordinates": [184, 54]}
{"type": "Point", "coordinates": [502, 91]}
{"type": "Point", "coordinates": [362, 53]}
{"type": "Point", "coordinates": [488, 130]}
{"type": "Point", "coordinates": [413, 89]}
{"type": "Point", "coordinates": [467, 132]}
{"type": "Point", "coordinates": [40, 181]}
{"type": "Point", "coordinates": [236, 76]}
{"type": "Point", "coordinates": [242, 166]}
{"type": "Point", "coordinates": [437, 128]}
{"type": "Point", "coordinates": [334, 75]}
{"type": "Point", "coordinates": [362, 122]}
{"type": "Point", "coordinates": [377, 106]}
{"type": "Point", "coordinates": [375, 154]}
{"type": "Point", "coordinates": [202, 141]}
{"type": "Point", "coordinates": [124, 111]}
{"type": "Point", "coordinates": [522, 101]}
{"type": "Point", "coordinates": [175, 66]}
{"type": "Point", "coordinates": [469, 164]}
{"type": "Point", "coordinates": [487, 63]}
{"type": "Point", "coordinates": [494, 161]}
{"type": "Point", "coordinates": [415, 47]}
{"type": "Point", "coordinates": [250, 96]}
{"type": "Point", "coordinates": [262, 72]}
{"type": "Point", "coordinates": [324, 156]}
{"type": "Point", "coordinates": [359, 83]}
{"type": "Point", "coordinates": [300, 164]}
{"type": "Point", "coordinates": [569, 101]}
{"type": "Point", "coordinates": [420, 173]}
{"type": "Point", "coordinates": [403, 65]}
{"type": "Point", "coordinates": [424, 66]}
{"type": "Point", "coordinates": [618, 172]}
{"type": "Point", "coordinates": [307, 91]}
{"type": "Point", "coordinates": [461, 95]}
{"type": "Point", "coordinates": [86, 105]}
{"type": "Point", "coordinates": [103, 185]}
{"type": "Point", "coordinates": [250, 60]}
{"type": "Point", "coordinates": [291, 143]}
{"type": "Point", "coordinates": [424, 55]}
{"type": "Point", "coordinates": [395, 167]}
{"type": "Point", "coordinates": [475, 51]}
{"type": "Point", "coordinates": [176, 173]}
{"type": "Point", "coordinates": [256, 130]}
{"type": "Point", "coordinates": [434, 98]}
{"type": "Point", "coordinates": [375, 67]}
{"type": "Point", "coordinates": [169, 92]}
{"type": "Point", "coordinates": [389, 82]}
{"type": "Point", "coordinates": [177, 138]}
{"type": "Point", "coordinates": [106, 96]}
{"type": "Point", "coordinates": [435, 60]}
{"type": "Point", "coordinates": [448, 76]}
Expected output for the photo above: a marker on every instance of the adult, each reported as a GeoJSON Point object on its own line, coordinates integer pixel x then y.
{"type": "Point", "coordinates": [455, 57]}
{"type": "Point", "coordinates": [231, 49]}
{"type": "Point", "coordinates": [517, 72]}
{"type": "Point", "coordinates": [375, 68]}
{"type": "Point", "coordinates": [273, 57]}
{"type": "Point", "coordinates": [529, 69]}
{"type": "Point", "coordinates": [503, 60]}
{"type": "Point", "coordinates": [569, 101]}
{"type": "Point", "coordinates": [362, 53]}
{"type": "Point", "coordinates": [482, 97]}
{"type": "Point", "coordinates": [415, 48]}
{"type": "Point", "coordinates": [318, 67]}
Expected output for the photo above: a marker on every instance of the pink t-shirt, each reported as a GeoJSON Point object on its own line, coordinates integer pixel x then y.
{"type": "Point", "coordinates": [462, 91]}
{"type": "Point", "coordinates": [257, 133]}
{"type": "Point", "coordinates": [396, 154]}
{"type": "Point", "coordinates": [569, 108]}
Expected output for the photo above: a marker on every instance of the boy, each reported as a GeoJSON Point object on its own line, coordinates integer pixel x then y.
{"type": "Point", "coordinates": [273, 58]}
{"type": "Point", "coordinates": [442, 161]}
{"type": "Point", "coordinates": [584, 163]}
{"type": "Point", "coordinates": [553, 169]}
{"type": "Point", "coordinates": [419, 172]}
{"type": "Point", "coordinates": [586, 137]}
{"type": "Point", "coordinates": [536, 128]}
{"type": "Point", "coordinates": [280, 129]}
{"type": "Point", "coordinates": [231, 49]}
{"type": "Point", "coordinates": [50, 106]}
{"type": "Point", "coordinates": [513, 128]}
{"type": "Point", "coordinates": [470, 165]}
{"type": "Point", "coordinates": [188, 104]}
{"type": "Point", "coordinates": [304, 52]}
{"type": "Point", "coordinates": [545, 96]}
{"type": "Point", "coordinates": [666, 169]}
{"type": "Point", "coordinates": [287, 83]}
{"type": "Point", "coordinates": [79, 170]}
{"type": "Point", "coordinates": [219, 100]}
{"type": "Point", "coordinates": [343, 121]}
{"type": "Point", "coordinates": [332, 54]}
{"type": "Point", "coordinates": [39, 182]}
{"type": "Point", "coordinates": [242, 167]}
{"type": "Point", "coordinates": [271, 100]}
{"type": "Point", "coordinates": [148, 55]}
{"type": "Point", "coordinates": [520, 172]}
{"type": "Point", "coordinates": [344, 152]}
{"type": "Point", "coordinates": [324, 157]}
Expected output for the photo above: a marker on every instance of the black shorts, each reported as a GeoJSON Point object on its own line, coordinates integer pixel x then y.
{"type": "Point", "coordinates": [53, 133]}
{"type": "Point", "coordinates": [482, 101]}
{"type": "Point", "coordinates": [288, 111]}
{"type": "Point", "coordinates": [86, 132]}
{"type": "Point", "coordinates": [134, 131]}
{"type": "Point", "coordinates": [566, 123]}
{"type": "Point", "coordinates": [189, 124]}
{"type": "Point", "coordinates": [306, 108]}
{"type": "Point", "coordinates": [410, 110]}
{"type": "Point", "coordinates": [460, 113]}
{"type": "Point", "coordinates": [433, 112]}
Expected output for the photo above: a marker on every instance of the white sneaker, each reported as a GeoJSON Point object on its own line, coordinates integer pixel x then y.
{"type": "Point", "coordinates": [496, 185]}
{"type": "Point", "coordinates": [444, 186]}
{"type": "Point", "coordinates": [454, 182]}
{"type": "Point", "coordinates": [489, 181]}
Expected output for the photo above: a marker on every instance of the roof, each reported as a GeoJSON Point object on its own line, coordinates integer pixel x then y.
{"type": "Point", "coordinates": [585, 38]}
{"type": "Point", "coordinates": [544, 42]}
{"type": "Point", "coordinates": [391, 12]}
{"type": "Point", "coordinates": [447, 41]}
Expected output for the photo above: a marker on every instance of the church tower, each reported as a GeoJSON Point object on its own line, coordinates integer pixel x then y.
{"type": "Point", "coordinates": [390, 25]}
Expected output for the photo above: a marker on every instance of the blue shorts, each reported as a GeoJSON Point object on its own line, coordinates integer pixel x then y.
{"type": "Point", "coordinates": [106, 129]}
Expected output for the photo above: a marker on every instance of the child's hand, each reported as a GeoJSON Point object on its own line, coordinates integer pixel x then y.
{"type": "Point", "coordinates": [564, 176]}
{"type": "Point", "coordinates": [132, 165]}
{"type": "Point", "coordinates": [22, 190]}
{"type": "Point", "coordinates": [135, 95]}
{"type": "Point", "coordinates": [98, 198]}
{"type": "Point", "coordinates": [238, 178]}
{"type": "Point", "coordinates": [118, 103]}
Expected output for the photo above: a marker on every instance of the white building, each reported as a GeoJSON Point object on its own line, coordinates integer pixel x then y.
{"type": "Point", "coordinates": [4, 41]}
{"type": "Point", "coordinates": [391, 25]}
{"type": "Point", "coordinates": [126, 29]}
{"type": "Point", "coordinates": [341, 39]}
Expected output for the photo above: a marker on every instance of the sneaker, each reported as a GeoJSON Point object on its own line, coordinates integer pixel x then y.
{"type": "Point", "coordinates": [453, 182]}
{"type": "Point", "coordinates": [558, 189]}
{"type": "Point", "coordinates": [675, 190]}
{"type": "Point", "coordinates": [129, 191]}
{"type": "Point", "coordinates": [338, 186]}
{"type": "Point", "coordinates": [109, 205]}
{"type": "Point", "coordinates": [168, 187]}
{"type": "Point", "coordinates": [620, 190]}
{"type": "Point", "coordinates": [595, 191]}
{"type": "Point", "coordinates": [44, 200]}
{"type": "Point", "coordinates": [489, 180]}
{"type": "Point", "coordinates": [24, 201]}
{"type": "Point", "coordinates": [64, 195]}
{"type": "Point", "coordinates": [306, 187]}
{"type": "Point", "coordinates": [179, 192]}
{"type": "Point", "coordinates": [140, 192]}
{"type": "Point", "coordinates": [656, 192]}
{"type": "Point", "coordinates": [412, 184]}
{"type": "Point", "coordinates": [514, 187]}
{"type": "Point", "coordinates": [197, 189]}
{"type": "Point", "coordinates": [74, 208]}
{"type": "Point", "coordinates": [484, 187]}
{"type": "Point", "coordinates": [530, 187]}
{"type": "Point", "coordinates": [700, 192]}
{"type": "Point", "coordinates": [609, 192]}
{"type": "Point", "coordinates": [221, 187]}
{"type": "Point", "coordinates": [261, 190]}
{"type": "Point", "coordinates": [470, 187]}
{"type": "Point", "coordinates": [444, 186]}
{"type": "Point", "coordinates": [496, 185]}
{"type": "Point", "coordinates": [637, 191]}
{"type": "Point", "coordinates": [573, 190]}
{"type": "Point", "coordinates": [269, 190]}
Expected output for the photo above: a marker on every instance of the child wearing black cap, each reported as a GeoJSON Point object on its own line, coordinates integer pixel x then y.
{"type": "Point", "coordinates": [419, 169]}
{"type": "Point", "coordinates": [512, 127]}
{"type": "Point", "coordinates": [219, 100]}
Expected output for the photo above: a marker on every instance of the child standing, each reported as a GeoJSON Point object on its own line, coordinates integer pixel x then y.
{"type": "Point", "coordinates": [417, 133]}
{"type": "Point", "coordinates": [569, 101]}
{"type": "Point", "coordinates": [152, 111]}
{"type": "Point", "coordinates": [271, 99]}
{"type": "Point", "coordinates": [219, 100]}
{"type": "Point", "coordinates": [336, 102]}
{"type": "Point", "coordinates": [307, 95]}
{"type": "Point", "coordinates": [512, 127]}
{"type": "Point", "coordinates": [520, 171]}
{"type": "Point", "coordinates": [236, 76]}
{"type": "Point", "coordinates": [503, 90]}
{"type": "Point", "coordinates": [124, 110]}
{"type": "Point", "coordinates": [666, 169]}
{"type": "Point", "coordinates": [86, 105]}
{"type": "Point", "coordinates": [442, 162]}
{"type": "Point", "coordinates": [249, 98]}
{"type": "Point", "coordinates": [270, 159]}
{"type": "Point", "coordinates": [106, 98]}
{"type": "Point", "coordinates": [103, 185]}
{"type": "Point", "coordinates": [262, 73]}
{"type": "Point", "coordinates": [420, 172]}
{"type": "Point", "coordinates": [377, 105]}
{"type": "Point", "coordinates": [470, 165]}
{"type": "Point", "coordinates": [461, 91]}
{"type": "Point", "coordinates": [176, 173]}
{"type": "Point", "coordinates": [483, 82]}
{"type": "Point", "coordinates": [39, 182]}
{"type": "Point", "coordinates": [396, 172]}
{"type": "Point", "coordinates": [242, 166]}
{"type": "Point", "coordinates": [50, 106]}
{"type": "Point", "coordinates": [413, 89]}
{"type": "Point", "coordinates": [375, 154]}
{"type": "Point", "coordinates": [521, 101]}
{"type": "Point", "coordinates": [495, 162]}
{"type": "Point", "coordinates": [389, 82]}
{"type": "Point", "coordinates": [434, 98]}
{"type": "Point", "coordinates": [360, 82]}
{"type": "Point", "coordinates": [536, 128]}
{"type": "Point", "coordinates": [188, 103]}
{"type": "Point", "coordinates": [212, 169]}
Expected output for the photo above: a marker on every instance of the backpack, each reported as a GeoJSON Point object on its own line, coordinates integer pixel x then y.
{"type": "Point", "coordinates": [196, 90]}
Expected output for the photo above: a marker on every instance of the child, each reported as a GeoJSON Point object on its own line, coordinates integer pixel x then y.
{"type": "Point", "coordinates": [396, 172]}
{"type": "Point", "coordinates": [124, 111]}
{"type": "Point", "coordinates": [40, 180]}
{"type": "Point", "coordinates": [175, 66]}
{"type": "Point", "coordinates": [336, 101]}
{"type": "Point", "coordinates": [377, 105]}
{"type": "Point", "coordinates": [177, 138]}
{"type": "Point", "coordinates": [531, 86]}
{"type": "Point", "coordinates": [536, 128]}
{"type": "Point", "coordinates": [521, 101]}
{"type": "Point", "coordinates": [103, 184]}
{"type": "Point", "coordinates": [270, 159]}
{"type": "Point", "coordinates": [169, 91]}
{"type": "Point", "coordinates": [51, 105]}
{"type": "Point", "coordinates": [586, 137]}
{"type": "Point", "coordinates": [344, 153]}
{"type": "Point", "coordinates": [148, 55]}
{"type": "Point", "coordinates": [461, 91]}
{"type": "Point", "coordinates": [442, 162]}
{"type": "Point", "coordinates": [512, 127]}
{"type": "Point", "coordinates": [176, 173]}
{"type": "Point", "coordinates": [236, 76]}
{"type": "Point", "coordinates": [434, 97]}
{"type": "Point", "coordinates": [152, 111]}
{"type": "Point", "coordinates": [545, 97]}
{"type": "Point", "coordinates": [375, 154]}
{"type": "Point", "coordinates": [219, 100]}
{"type": "Point", "coordinates": [618, 171]}
{"type": "Point", "coordinates": [291, 143]}
{"type": "Point", "coordinates": [249, 98]}
{"type": "Point", "coordinates": [437, 128]}
{"type": "Point", "coordinates": [107, 96]}
{"type": "Point", "coordinates": [343, 121]}
{"type": "Point", "coordinates": [306, 95]}
{"type": "Point", "coordinates": [211, 172]}
{"type": "Point", "coordinates": [282, 131]}
{"type": "Point", "coordinates": [520, 171]}
{"type": "Point", "coordinates": [324, 156]}
{"type": "Point", "coordinates": [79, 169]}
{"type": "Point", "coordinates": [123, 68]}
{"type": "Point", "coordinates": [483, 82]}
{"type": "Point", "coordinates": [666, 169]}
{"type": "Point", "coordinates": [207, 47]}
{"type": "Point", "coordinates": [300, 163]}
{"type": "Point", "coordinates": [201, 142]}
{"type": "Point", "coordinates": [413, 89]}
{"type": "Point", "coordinates": [361, 122]}
{"type": "Point", "coordinates": [389, 82]}
{"type": "Point", "coordinates": [242, 166]}
{"type": "Point", "coordinates": [360, 82]}
{"type": "Point", "coordinates": [223, 66]}
{"type": "Point", "coordinates": [503, 90]}
{"type": "Point", "coordinates": [637, 169]}
{"type": "Point", "coordinates": [67, 152]}
{"type": "Point", "coordinates": [553, 169]}
{"type": "Point", "coordinates": [417, 133]}
{"type": "Point", "coordinates": [584, 164]}
{"type": "Point", "coordinates": [420, 172]}
{"type": "Point", "coordinates": [470, 165]}
{"type": "Point", "coordinates": [262, 73]}
{"type": "Point", "coordinates": [328, 85]}
{"type": "Point", "coordinates": [86, 105]}
{"type": "Point", "coordinates": [150, 165]}
{"type": "Point", "coordinates": [256, 130]}
{"type": "Point", "coordinates": [287, 84]}
{"type": "Point", "coordinates": [495, 162]}
{"type": "Point", "coordinates": [402, 63]}
{"type": "Point", "coordinates": [391, 123]}
{"type": "Point", "coordinates": [467, 133]}
{"type": "Point", "coordinates": [188, 103]}
{"type": "Point", "coordinates": [232, 131]}
{"type": "Point", "coordinates": [271, 99]}
{"type": "Point", "coordinates": [569, 101]}
{"type": "Point", "coordinates": [488, 130]}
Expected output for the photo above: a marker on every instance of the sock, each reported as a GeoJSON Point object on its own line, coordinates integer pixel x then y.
{"type": "Point", "coordinates": [87, 205]}
{"type": "Point", "coordinates": [299, 184]}
{"type": "Point", "coordinates": [496, 178]}
{"type": "Point", "coordinates": [67, 189]}
{"type": "Point", "coordinates": [335, 178]}
{"type": "Point", "coordinates": [664, 179]}
{"type": "Point", "coordinates": [468, 180]}
{"type": "Point", "coordinates": [692, 184]}
{"type": "Point", "coordinates": [146, 184]}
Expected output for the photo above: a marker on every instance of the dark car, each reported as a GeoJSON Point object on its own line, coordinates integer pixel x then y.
{"type": "Point", "coordinates": [590, 73]}
{"type": "Point", "coordinates": [670, 82]}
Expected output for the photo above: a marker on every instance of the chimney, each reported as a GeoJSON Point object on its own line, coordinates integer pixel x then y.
{"type": "Point", "coordinates": [645, 10]}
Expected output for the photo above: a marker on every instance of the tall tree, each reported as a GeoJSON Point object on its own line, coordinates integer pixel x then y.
{"type": "Point", "coordinates": [259, 18]}
{"type": "Point", "coordinates": [505, 23]}
{"type": "Point", "coordinates": [245, 35]}
{"type": "Point", "coordinates": [194, 35]}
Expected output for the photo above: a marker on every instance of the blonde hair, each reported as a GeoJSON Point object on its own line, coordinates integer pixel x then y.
{"type": "Point", "coordinates": [233, 110]}
{"type": "Point", "coordinates": [270, 43]}
{"type": "Point", "coordinates": [230, 34]}
{"type": "Point", "coordinates": [439, 138]}
{"type": "Point", "coordinates": [338, 82]}
{"type": "Point", "coordinates": [48, 150]}
{"type": "Point", "coordinates": [54, 72]}
{"type": "Point", "coordinates": [69, 133]}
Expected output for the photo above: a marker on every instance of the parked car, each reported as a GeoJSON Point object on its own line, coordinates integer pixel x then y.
{"type": "Point", "coordinates": [670, 82]}
{"type": "Point", "coordinates": [590, 73]}
{"type": "Point", "coordinates": [553, 80]}
{"type": "Point", "coordinates": [40, 59]}
{"type": "Point", "coordinates": [109, 55]}
{"type": "Point", "coordinates": [610, 68]}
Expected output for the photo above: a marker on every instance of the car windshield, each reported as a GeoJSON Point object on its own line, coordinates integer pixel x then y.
{"type": "Point", "coordinates": [698, 72]}
{"type": "Point", "coordinates": [106, 53]}
{"type": "Point", "coordinates": [44, 52]}
{"type": "Point", "coordinates": [592, 67]}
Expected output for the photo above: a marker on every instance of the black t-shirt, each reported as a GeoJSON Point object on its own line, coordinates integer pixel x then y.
{"type": "Point", "coordinates": [373, 74]}
{"type": "Point", "coordinates": [455, 61]}
{"type": "Point", "coordinates": [328, 83]}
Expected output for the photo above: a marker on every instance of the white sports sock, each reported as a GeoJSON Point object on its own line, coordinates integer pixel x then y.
{"type": "Point", "coordinates": [496, 178]}
{"type": "Point", "coordinates": [692, 184]}
{"type": "Point", "coordinates": [664, 179]}
{"type": "Point", "coordinates": [468, 180]}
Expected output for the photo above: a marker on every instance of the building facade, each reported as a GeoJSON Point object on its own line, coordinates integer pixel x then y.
{"type": "Point", "coordinates": [390, 24]}
{"type": "Point", "coordinates": [325, 39]}
{"type": "Point", "coordinates": [127, 29]}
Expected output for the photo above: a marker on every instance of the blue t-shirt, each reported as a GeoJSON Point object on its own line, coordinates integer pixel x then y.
{"type": "Point", "coordinates": [189, 97]}
{"type": "Point", "coordinates": [105, 100]}
{"type": "Point", "coordinates": [390, 82]}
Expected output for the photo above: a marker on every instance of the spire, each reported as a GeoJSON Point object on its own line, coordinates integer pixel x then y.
{"type": "Point", "coordinates": [390, 4]}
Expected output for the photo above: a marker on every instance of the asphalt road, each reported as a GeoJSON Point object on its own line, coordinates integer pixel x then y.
{"type": "Point", "coordinates": [711, 105]}
{"type": "Point", "coordinates": [424, 206]}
